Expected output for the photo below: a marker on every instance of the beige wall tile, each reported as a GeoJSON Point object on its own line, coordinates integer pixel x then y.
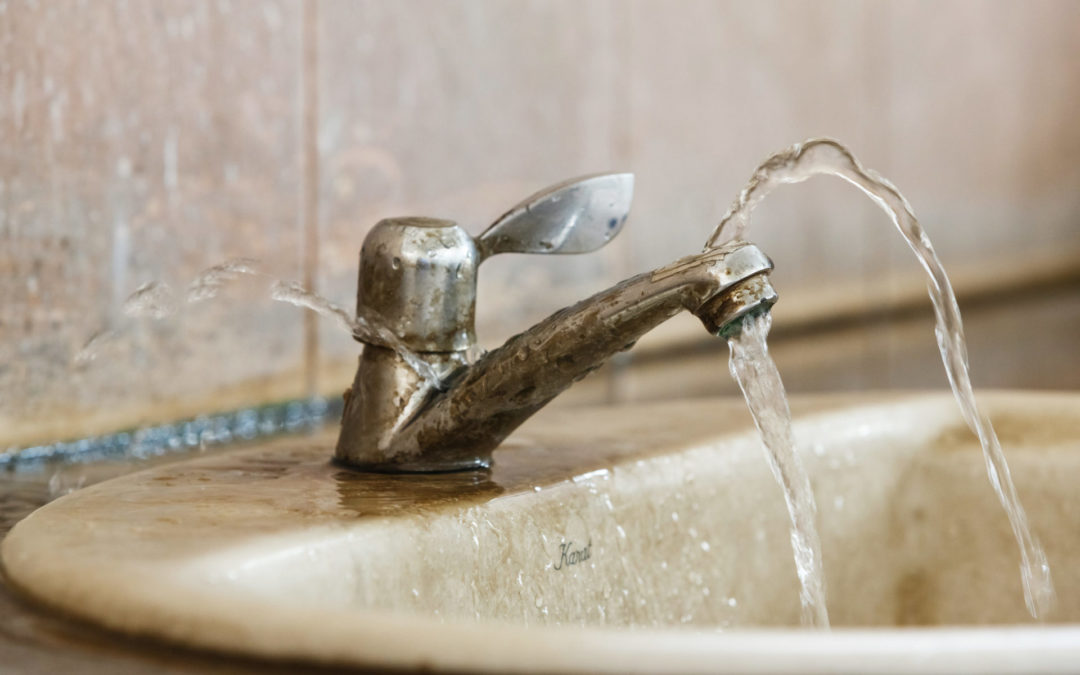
{"type": "Point", "coordinates": [983, 116]}
{"type": "Point", "coordinates": [139, 142]}
{"type": "Point", "coordinates": [716, 87]}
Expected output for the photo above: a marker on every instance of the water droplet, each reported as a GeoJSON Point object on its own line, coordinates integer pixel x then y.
{"type": "Point", "coordinates": [154, 299]}
{"type": "Point", "coordinates": [210, 281]}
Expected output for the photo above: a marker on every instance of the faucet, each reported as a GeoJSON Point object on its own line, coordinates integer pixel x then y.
{"type": "Point", "coordinates": [419, 276]}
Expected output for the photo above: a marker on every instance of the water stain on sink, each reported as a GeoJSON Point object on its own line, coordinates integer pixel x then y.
{"type": "Point", "coordinates": [374, 494]}
{"type": "Point", "coordinates": [915, 594]}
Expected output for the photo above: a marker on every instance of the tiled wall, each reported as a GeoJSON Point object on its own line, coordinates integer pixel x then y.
{"type": "Point", "coordinates": [140, 142]}
{"type": "Point", "coordinates": [147, 141]}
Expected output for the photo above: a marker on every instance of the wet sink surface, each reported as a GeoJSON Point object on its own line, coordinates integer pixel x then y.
{"type": "Point", "coordinates": [640, 537]}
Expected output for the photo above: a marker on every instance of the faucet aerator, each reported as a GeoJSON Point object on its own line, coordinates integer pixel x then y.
{"type": "Point", "coordinates": [722, 314]}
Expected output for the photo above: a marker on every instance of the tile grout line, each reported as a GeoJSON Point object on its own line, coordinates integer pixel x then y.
{"type": "Point", "coordinates": [622, 152]}
{"type": "Point", "coordinates": [309, 216]}
{"type": "Point", "coordinates": [243, 425]}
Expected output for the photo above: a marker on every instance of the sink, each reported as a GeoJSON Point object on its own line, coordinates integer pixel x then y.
{"type": "Point", "coordinates": [632, 538]}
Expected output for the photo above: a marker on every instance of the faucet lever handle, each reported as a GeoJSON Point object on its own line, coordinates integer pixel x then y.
{"type": "Point", "coordinates": [575, 216]}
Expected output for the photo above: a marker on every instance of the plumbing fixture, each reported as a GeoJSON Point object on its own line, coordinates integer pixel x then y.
{"type": "Point", "coordinates": [419, 274]}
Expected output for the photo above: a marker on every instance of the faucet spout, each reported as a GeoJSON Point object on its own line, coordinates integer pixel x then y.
{"type": "Point", "coordinates": [459, 425]}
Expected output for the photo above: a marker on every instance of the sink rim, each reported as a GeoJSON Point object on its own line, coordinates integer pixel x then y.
{"type": "Point", "coordinates": [398, 640]}
{"type": "Point", "coordinates": [415, 642]}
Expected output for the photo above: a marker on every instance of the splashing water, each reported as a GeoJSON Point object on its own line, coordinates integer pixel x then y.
{"type": "Point", "coordinates": [156, 300]}
{"type": "Point", "coordinates": [366, 325]}
{"type": "Point", "coordinates": [152, 300]}
{"type": "Point", "coordinates": [295, 294]}
{"type": "Point", "coordinates": [211, 280]}
{"type": "Point", "coordinates": [827, 157]}
{"type": "Point", "coordinates": [757, 376]}
{"type": "Point", "coordinates": [93, 348]}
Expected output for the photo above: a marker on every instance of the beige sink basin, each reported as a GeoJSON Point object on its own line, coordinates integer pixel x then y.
{"type": "Point", "coordinates": [639, 538]}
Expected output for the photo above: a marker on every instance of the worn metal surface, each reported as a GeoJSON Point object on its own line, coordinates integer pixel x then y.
{"type": "Point", "coordinates": [720, 313]}
{"type": "Point", "coordinates": [576, 216]}
{"type": "Point", "coordinates": [419, 276]}
{"type": "Point", "coordinates": [385, 394]}
{"type": "Point", "coordinates": [460, 423]}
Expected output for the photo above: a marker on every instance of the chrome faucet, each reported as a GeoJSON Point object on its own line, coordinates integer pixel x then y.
{"type": "Point", "coordinates": [419, 275]}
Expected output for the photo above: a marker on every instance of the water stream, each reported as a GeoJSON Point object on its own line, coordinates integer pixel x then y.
{"type": "Point", "coordinates": [757, 376]}
{"type": "Point", "coordinates": [826, 157]}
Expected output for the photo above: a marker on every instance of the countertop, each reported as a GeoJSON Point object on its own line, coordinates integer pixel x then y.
{"type": "Point", "coordinates": [36, 640]}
